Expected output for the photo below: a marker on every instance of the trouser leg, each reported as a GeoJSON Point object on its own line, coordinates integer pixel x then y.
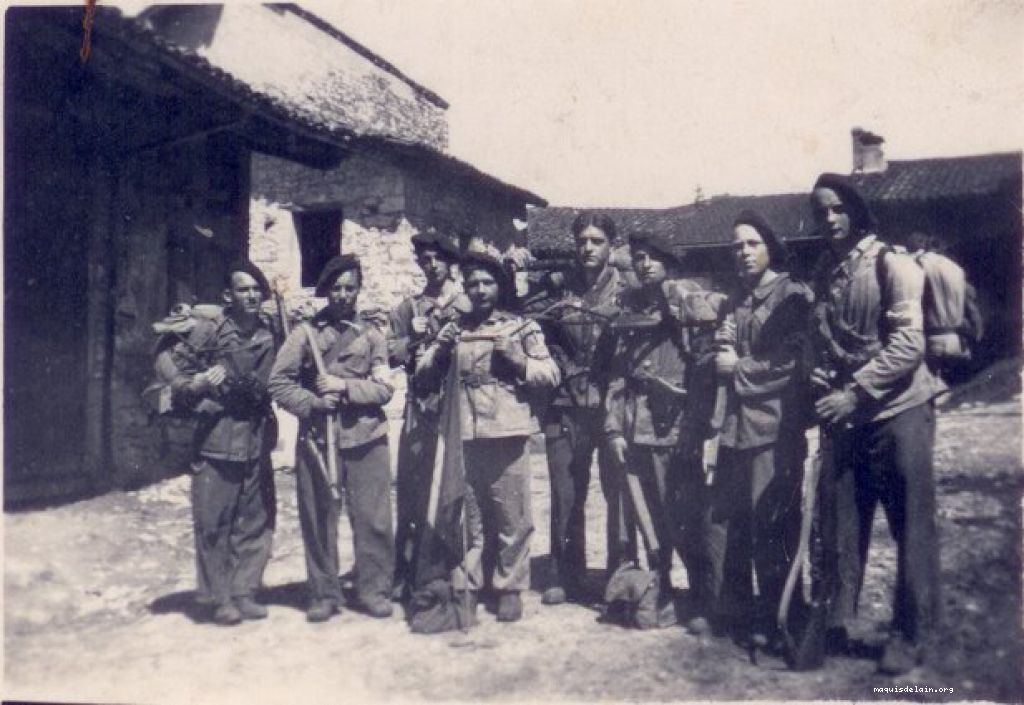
{"type": "Point", "coordinates": [318, 520]}
{"type": "Point", "coordinates": [692, 528]}
{"type": "Point", "coordinates": [775, 504]}
{"type": "Point", "coordinates": [854, 505]}
{"type": "Point", "coordinates": [651, 465]}
{"type": "Point", "coordinates": [570, 444]}
{"type": "Point", "coordinates": [252, 535]}
{"type": "Point", "coordinates": [215, 489]}
{"type": "Point", "coordinates": [499, 472]}
{"type": "Point", "coordinates": [415, 466]}
{"type": "Point", "coordinates": [730, 536]}
{"type": "Point", "coordinates": [902, 468]}
{"type": "Point", "coordinates": [368, 488]}
{"type": "Point", "coordinates": [620, 528]}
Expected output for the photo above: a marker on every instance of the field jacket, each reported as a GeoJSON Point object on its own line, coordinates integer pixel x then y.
{"type": "Point", "coordinates": [356, 352]}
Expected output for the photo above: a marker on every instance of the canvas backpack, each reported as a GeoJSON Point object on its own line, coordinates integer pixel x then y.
{"type": "Point", "coordinates": [171, 330]}
{"type": "Point", "coordinates": [952, 319]}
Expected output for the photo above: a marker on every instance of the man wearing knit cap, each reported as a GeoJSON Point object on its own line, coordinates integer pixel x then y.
{"type": "Point", "coordinates": [220, 374]}
{"type": "Point", "coordinates": [649, 431]}
{"type": "Point", "coordinates": [755, 497]}
{"type": "Point", "coordinates": [875, 404]}
{"type": "Point", "coordinates": [353, 389]}
{"type": "Point", "coordinates": [411, 324]}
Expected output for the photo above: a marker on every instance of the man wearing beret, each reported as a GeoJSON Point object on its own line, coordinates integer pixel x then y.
{"type": "Point", "coordinates": [221, 373]}
{"type": "Point", "coordinates": [411, 324]}
{"type": "Point", "coordinates": [648, 428]}
{"type": "Point", "coordinates": [353, 390]}
{"type": "Point", "coordinates": [876, 404]}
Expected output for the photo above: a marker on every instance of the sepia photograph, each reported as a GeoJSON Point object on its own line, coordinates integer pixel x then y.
{"type": "Point", "coordinates": [450, 351]}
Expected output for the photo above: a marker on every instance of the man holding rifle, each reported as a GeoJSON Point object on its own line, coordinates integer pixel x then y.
{"type": "Point", "coordinates": [337, 390]}
{"type": "Point", "coordinates": [651, 436]}
{"type": "Point", "coordinates": [575, 421]}
{"type": "Point", "coordinates": [220, 377]}
{"type": "Point", "coordinates": [876, 406]}
{"type": "Point", "coordinates": [411, 324]}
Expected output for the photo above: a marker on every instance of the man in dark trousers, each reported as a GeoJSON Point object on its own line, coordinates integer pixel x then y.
{"type": "Point", "coordinates": [222, 371]}
{"type": "Point", "coordinates": [876, 404]}
{"type": "Point", "coordinates": [649, 430]}
{"type": "Point", "coordinates": [412, 323]}
{"type": "Point", "coordinates": [574, 426]}
{"type": "Point", "coordinates": [353, 389]}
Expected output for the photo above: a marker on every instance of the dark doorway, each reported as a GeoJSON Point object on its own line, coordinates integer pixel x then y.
{"type": "Point", "coordinates": [319, 240]}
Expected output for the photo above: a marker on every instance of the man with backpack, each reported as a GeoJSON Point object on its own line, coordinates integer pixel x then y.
{"type": "Point", "coordinates": [875, 402]}
{"type": "Point", "coordinates": [219, 374]}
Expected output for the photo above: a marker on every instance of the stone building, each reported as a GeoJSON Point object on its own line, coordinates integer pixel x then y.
{"type": "Point", "coordinates": [141, 154]}
{"type": "Point", "coordinates": [970, 207]}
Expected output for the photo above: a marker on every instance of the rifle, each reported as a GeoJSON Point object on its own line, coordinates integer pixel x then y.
{"type": "Point", "coordinates": [713, 445]}
{"type": "Point", "coordinates": [806, 650]}
{"type": "Point", "coordinates": [332, 450]}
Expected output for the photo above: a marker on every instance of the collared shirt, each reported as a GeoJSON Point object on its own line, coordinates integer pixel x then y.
{"type": "Point", "coordinates": [573, 339]}
{"type": "Point", "coordinates": [356, 352]}
{"type": "Point", "coordinates": [230, 428]}
{"type": "Point", "coordinates": [402, 340]}
{"type": "Point", "coordinates": [495, 399]}
{"type": "Point", "coordinates": [404, 345]}
{"type": "Point", "coordinates": [876, 308]}
{"type": "Point", "coordinates": [767, 326]}
{"type": "Point", "coordinates": [636, 408]}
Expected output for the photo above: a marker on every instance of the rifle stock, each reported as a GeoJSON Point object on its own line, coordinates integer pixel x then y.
{"type": "Point", "coordinates": [332, 441]}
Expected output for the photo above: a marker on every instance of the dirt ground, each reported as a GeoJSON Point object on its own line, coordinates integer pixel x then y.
{"type": "Point", "coordinates": [98, 608]}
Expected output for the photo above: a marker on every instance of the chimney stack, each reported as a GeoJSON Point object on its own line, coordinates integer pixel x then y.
{"type": "Point", "coordinates": [868, 157]}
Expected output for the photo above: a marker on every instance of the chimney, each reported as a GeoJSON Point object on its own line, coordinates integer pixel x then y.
{"type": "Point", "coordinates": [868, 157]}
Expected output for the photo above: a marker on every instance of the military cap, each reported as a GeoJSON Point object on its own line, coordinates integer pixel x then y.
{"type": "Point", "coordinates": [777, 251]}
{"type": "Point", "coordinates": [244, 265]}
{"type": "Point", "coordinates": [432, 238]}
{"type": "Point", "coordinates": [333, 269]}
{"type": "Point", "coordinates": [658, 243]}
{"type": "Point", "coordinates": [861, 217]}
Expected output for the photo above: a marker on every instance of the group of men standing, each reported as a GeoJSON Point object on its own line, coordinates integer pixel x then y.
{"type": "Point", "coordinates": [624, 369]}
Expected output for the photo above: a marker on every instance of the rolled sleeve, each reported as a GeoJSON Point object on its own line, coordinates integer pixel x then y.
{"type": "Point", "coordinates": [541, 370]}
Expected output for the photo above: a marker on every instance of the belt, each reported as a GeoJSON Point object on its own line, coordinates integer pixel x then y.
{"type": "Point", "coordinates": [477, 379]}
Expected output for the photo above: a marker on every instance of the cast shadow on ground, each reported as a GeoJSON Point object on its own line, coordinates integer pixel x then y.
{"type": "Point", "coordinates": [184, 601]}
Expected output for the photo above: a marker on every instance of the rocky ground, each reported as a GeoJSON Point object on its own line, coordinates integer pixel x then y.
{"type": "Point", "coordinates": [98, 608]}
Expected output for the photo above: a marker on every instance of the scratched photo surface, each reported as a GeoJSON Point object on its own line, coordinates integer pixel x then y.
{"type": "Point", "coordinates": [147, 148]}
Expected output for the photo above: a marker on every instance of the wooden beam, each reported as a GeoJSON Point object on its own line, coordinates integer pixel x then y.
{"type": "Point", "coordinates": [99, 323]}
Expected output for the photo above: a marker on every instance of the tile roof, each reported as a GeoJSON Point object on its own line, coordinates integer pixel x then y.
{"type": "Point", "coordinates": [946, 177]}
{"type": "Point", "coordinates": [327, 106]}
{"type": "Point", "coordinates": [709, 223]}
{"type": "Point", "coordinates": [704, 224]}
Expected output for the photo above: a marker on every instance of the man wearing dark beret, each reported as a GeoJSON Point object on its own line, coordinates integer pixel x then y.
{"type": "Point", "coordinates": [411, 324]}
{"type": "Point", "coordinates": [353, 390]}
{"type": "Point", "coordinates": [648, 424]}
{"type": "Point", "coordinates": [221, 373]}
{"type": "Point", "coordinates": [876, 406]}
{"type": "Point", "coordinates": [755, 497]}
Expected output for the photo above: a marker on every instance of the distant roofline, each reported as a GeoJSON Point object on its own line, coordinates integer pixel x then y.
{"type": "Point", "coordinates": [381, 63]}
